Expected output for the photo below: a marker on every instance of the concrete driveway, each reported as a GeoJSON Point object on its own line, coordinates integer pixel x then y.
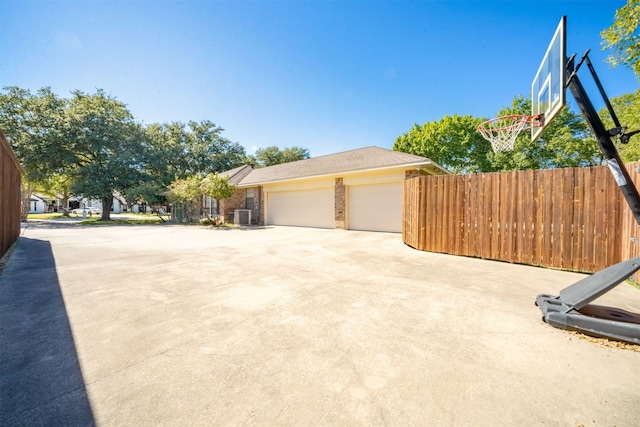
{"type": "Point", "coordinates": [183, 325]}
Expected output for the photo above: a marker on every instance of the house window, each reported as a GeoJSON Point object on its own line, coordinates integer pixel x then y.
{"type": "Point", "coordinates": [248, 195]}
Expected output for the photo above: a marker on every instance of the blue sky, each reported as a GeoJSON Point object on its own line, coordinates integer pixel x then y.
{"type": "Point", "coordinates": [325, 75]}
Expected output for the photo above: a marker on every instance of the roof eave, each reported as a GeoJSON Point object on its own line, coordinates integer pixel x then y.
{"type": "Point", "coordinates": [400, 166]}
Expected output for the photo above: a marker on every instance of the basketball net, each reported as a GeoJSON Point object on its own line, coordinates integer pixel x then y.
{"type": "Point", "coordinates": [502, 132]}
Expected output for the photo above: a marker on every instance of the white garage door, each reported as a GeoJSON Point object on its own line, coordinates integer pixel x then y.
{"type": "Point", "coordinates": [312, 208]}
{"type": "Point", "coordinates": [375, 207]}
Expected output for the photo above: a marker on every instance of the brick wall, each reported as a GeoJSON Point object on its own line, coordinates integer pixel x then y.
{"type": "Point", "coordinates": [339, 206]}
{"type": "Point", "coordinates": [262, 220]}
{"type": "Point", "coordinates": [256, 212]}
{"type": "Point", "coordinates": [238, 201]}
{"type": "Point", "coordinates": [232, 203]}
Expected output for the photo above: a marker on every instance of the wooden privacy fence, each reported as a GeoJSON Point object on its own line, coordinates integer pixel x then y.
{"type": "Point", "coordinates": [9, 196]}
{"type": "Point", "coordinates": [574, 218]}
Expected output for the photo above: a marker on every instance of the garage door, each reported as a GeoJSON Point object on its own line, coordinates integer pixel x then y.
{"type": "Point", "coordinates": [375, 207]}
{"type": "Point", "coordinates": [312, 208]}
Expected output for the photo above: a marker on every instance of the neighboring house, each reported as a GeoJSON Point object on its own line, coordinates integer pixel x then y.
{"type": "Point", "coordinates": [355, 190]}
{"type": "Point", "coordinates": [41, 203]}
{"type": "Point", "coordinates": [36, 204]}
{"type": "Point", "coordinates": [118, 205]}
{"type": "Point", "coordinates": [238, 201]}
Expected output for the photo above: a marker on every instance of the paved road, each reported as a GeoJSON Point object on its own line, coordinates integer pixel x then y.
{"type": "Point", "coordinates": [183, 325]}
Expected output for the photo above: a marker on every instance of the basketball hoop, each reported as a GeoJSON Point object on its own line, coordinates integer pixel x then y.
{"type": "Point", "coordinates": [502, 132]}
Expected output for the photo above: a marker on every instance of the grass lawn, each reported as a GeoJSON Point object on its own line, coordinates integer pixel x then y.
{"type": "Point", "coordinates": [95, 219]}
{"type": "Point", "coordinates": [116, 219]}
{"type": "Point", "coordinates": [52, 215]}
{"type": "Point", "coordinates": [141, 219]}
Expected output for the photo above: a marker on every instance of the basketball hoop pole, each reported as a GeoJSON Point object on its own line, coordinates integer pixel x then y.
{"type": "Point", "coordinates": [603, 137]}
{"type": "Point", "coordinates": [564, 311]}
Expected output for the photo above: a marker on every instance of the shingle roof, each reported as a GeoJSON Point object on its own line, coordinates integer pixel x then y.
{"type": "Point", "coordinates": [236, 175]}
{"type": "Point", "coordinates": [348, 161]}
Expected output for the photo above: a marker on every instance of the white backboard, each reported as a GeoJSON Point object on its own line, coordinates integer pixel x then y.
{"type": "Point", "coordinates": [548, 87]}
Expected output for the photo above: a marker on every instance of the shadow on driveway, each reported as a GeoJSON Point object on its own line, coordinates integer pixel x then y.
{"type": "Point", "coordinates": [41, 381]}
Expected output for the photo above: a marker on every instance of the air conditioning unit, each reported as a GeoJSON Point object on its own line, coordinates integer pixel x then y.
{"type": "Point", "coordinates": [242, 217]}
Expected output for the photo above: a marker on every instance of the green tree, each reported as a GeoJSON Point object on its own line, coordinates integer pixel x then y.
{"type": "Point", "coordinates": [164, 146]}
{"type": "Point", "coordinates": [295, 153]}
{"type": "Point", "coordinates": [193, 148]}
{"type": "Point", "coordinates": [565, 142]}
{"type": "Point", "coordinates": [184, 194]}
{"type": "Point", "coordinates": [187, 194]}
{"type": "Point", "coordinates": [207, 151]}
{"type": "Point", "coordinates": [453, 142]}
{"type": "Point", "coordinates": [270, 156]}
{"type": "Point", "coordinates": [34, 127]}
{"type": "Point", "coordinates": [217, 187]}
{"type": "Point", "coordinates": [627, 108]}
{"type": "Point", "coordinates": [56, 185]}
{"type": "Point", "coordinates": [93, 144]}
{"type": "Point", "coordinates": [168, 148]}
{"type": "Point", "coordinates": [623, 37]}
{"type": "Point", "coordinates": [106, 144]}
{"type": "Point", "coordinates": [177, 150]}
{"type": "Point", "coordinates": [147, 191]}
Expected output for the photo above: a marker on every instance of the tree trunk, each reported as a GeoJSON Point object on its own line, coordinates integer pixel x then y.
{"type": "Point", "coordinates": [25, 200]}
{"type": "Point", "coordinates": [107, 202]}
{"type": "Point", "coordinates": [65, 203]}
{"type": "Point", "coordinates": [194, 210]}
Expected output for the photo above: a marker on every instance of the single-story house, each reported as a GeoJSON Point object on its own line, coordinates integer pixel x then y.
{"type": "Point", "coordinates": [37, 205]}
{"type": "Point", "coordinates": [118, 205]}
{"type": "Point", "coordinates": [356, 190]}
{"type": "Point", "coordinates": [43, 203]}
{"type": "Point", "coordinates": [238, 200]}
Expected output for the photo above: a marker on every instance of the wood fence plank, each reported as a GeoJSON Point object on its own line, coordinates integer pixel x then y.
{"type": "Point", "coordinates": [499, 216]}
{"type": "Point", "coordinates": [589, 221]}
{"type": "Point", "coordinates": [484, 217]}
{"type": "Point", "coordinates": [599, 238]}
{"type": "Point", "coordinates": [409, 212]}
{"type": "Point", "coordinates": [416, 198]}
{"type": "Point", "coordinates": [474, 216]}
{"type": "Point", "coordinates": [495, 216]}
{"type": "Point", "coordinates": [539, 218]}
{"type": "Point", "coordinates": [520, 206]}
{"type": "Point", "coordinates": [528, 238]}
{"type": "Point", "coordinates": [566, 214]}
{"type": "Point", "coordinates": [546, 250]}
{"type": "Point", "coordinates": [578, 218]}
{"type": "Point", "coordinates": [432, 222]}
{"type": "Point", "coordinates": [512, 225]}
{"type": "Point", "coordinates": [630, 230]}
{"type": "Point", "coordinates": [10, 196]}
{"type": "Point", "coordinates": [615, 198]}
{"type": "Point", "coordinates": [457, 225]}
{"type": "Point", "coordinates": [565, 218]}
{"type": "Point", "coordinates": [504, 200]}
{"type": "Point", "coordinates": [424, 193]}
{"type": "Point", "coordinates": [465, 220]}
{"type": "Point", "coordinates": [445, 236]}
